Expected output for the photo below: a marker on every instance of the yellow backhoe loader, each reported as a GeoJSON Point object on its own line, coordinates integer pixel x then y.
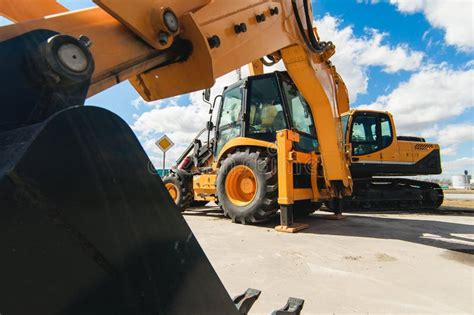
{"type": "Point", "coordinates": [85, 228]}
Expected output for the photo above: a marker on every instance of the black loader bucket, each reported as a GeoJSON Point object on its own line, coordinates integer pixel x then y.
{"type": "Point", "coordinates": [86, 228]}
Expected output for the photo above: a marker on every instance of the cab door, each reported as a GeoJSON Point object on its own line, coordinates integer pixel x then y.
{"type": "Point", "coordinates": [373, 145]}
{"type": "Point", "coordinates": [389, 145]}
{"type": "Point", "coordinates": [265, 109]}
{"type": "Point", "coordinates": [365, 138]}
{"type": "Point", "coordinates": [229, 123]}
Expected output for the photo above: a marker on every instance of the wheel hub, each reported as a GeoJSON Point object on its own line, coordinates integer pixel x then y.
{"type": "Point", "coordinates": [241, 185]}
{"type": "Point", "coordinates": [172, 190]}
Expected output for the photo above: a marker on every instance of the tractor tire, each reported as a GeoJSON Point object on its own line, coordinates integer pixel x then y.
{"type": "Point", "coordinates": [247, 187]}
{"type": "Point", "coordinates": [179, 191]}
{"type": "Point", "coordinates": [305, 208]}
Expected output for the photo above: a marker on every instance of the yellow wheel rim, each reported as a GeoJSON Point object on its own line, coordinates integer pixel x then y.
{"type": "Point", "coordinates": [172, 190]}
{"type": "Point", "coordinates": [241, 185]}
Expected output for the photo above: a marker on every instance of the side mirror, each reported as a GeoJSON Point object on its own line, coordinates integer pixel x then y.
{"type": "Point", "coordinates": [206, 95]}
{"type": "Point", "coordinates": [210, 126]}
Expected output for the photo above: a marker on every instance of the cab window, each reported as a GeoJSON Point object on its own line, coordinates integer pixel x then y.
{"type": "Point", "coordinates": [364, 135]}
{"type": "Point", "coordinates": [300, 113]}
{"type": "Point", "coordinates": [344, 122]}
{"type": "Point", "coordinates": [370, 133]}
{"type": "Point", "coordinates": [229, 125]}
{"type": "Point", "coordinates": [231, 108]}
{"type": "Point", "coordinates": [386, 129]}
{"type": "Point", "coordinates": [301, 118]}
{"type": "Point", "coordinates": [266, 115]}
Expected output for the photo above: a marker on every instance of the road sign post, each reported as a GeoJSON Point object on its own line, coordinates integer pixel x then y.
{"type": "Point", "coordinates": [164, 144]}
{"type": "Point", "coordinates": [467, 183]}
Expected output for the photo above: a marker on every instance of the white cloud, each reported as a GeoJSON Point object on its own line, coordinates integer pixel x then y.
{"type": "Point", "coordinates": [177, 120]}
{"type": "Point", "coordinates": [392, 59]}
{"type": "Point", "coordinates": [408, 6]}
{"type": "Point", "coordinates": [458, 166]}
{"type": "Point", "coordinates": [430, 96]}
{"type": "Point", "coordinates": [456, 134]}
{"type": "Point", "coordinates": [172, 101]}
{"type": "Point", "coordinates": [450, 137]}
{"type": "Point", "coordinates": [356, 54]}
{"type": "Point", "coordinates": [455, 17]}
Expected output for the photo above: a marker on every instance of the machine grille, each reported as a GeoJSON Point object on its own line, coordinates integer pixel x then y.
{"type": "Point", "coordinates": [424, 147]}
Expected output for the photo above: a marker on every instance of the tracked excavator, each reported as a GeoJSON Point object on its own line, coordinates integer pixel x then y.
{"type": "Point", "coordinates": [382, 161]}
{"type": "Point", "coordinates": [85, 228]}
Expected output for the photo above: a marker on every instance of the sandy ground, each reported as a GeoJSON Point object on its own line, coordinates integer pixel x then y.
{"type": "Point", "coordinates": [465, 196]}
{"type": "Point", "coordinates": [461, 205]}
{"type": "Point", "coordinates": [370, 263]}
{"type": "Point", "coordinates": [458, 191]}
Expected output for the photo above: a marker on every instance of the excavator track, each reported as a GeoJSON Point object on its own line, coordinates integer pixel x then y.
{"type": "Point", "coordinates": [392, 194]}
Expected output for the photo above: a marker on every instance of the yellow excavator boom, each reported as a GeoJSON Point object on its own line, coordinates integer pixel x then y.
{"type": "Point", "coordinates": [132, 40]}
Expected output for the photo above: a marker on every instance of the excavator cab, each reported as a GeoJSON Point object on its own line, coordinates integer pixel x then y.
{"type": "Point", "coordinates": [260, 106]}
{"type": "Point", "coordinates": [378, 151]}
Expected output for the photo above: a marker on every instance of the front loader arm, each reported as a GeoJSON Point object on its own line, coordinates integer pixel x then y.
{"type": "Point", "coordinates": [131, 41]}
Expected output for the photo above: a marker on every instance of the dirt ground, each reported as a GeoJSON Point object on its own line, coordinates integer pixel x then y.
{"type": "Point", "coordinates": [389, 263]}
{"type": "Point", "coordinates": [460, 205]}
{"type": "Point", "coordinates": [460, 191]}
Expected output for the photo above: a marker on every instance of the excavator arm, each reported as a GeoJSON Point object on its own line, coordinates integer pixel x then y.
{"type": "Point", "coordinates": [167, 48]}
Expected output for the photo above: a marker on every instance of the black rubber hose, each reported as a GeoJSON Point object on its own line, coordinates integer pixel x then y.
{"type": "Point", "coordinates": [301, 27]}
{"type": "Point", "coordinates": [309, 25]}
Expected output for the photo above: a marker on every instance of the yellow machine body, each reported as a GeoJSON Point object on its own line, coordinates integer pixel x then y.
{"type": "Point", "coordinates": [204, 187]}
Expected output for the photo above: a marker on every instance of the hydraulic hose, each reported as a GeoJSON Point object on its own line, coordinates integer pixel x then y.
{"type": "Point", "coordinates": [300, 25]}
{"type": "Point", "coordinates": [312, 43]}
{"type": "Point", "coordinates": [309, 24]}
{"type": "Point", "coordinates": [270, 63]}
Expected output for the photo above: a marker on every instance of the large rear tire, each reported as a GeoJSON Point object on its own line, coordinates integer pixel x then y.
{"type": "Point", "coordinates": [179, 191]}
{"type": "Point", "coordinates": [247, 187]}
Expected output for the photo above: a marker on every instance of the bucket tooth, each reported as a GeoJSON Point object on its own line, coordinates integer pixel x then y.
{"type": "Point", "coordinates": [245, 301]}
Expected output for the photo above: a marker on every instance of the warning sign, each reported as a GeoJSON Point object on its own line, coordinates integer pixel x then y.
{"type": "Point", "coordinates": [164, 143]}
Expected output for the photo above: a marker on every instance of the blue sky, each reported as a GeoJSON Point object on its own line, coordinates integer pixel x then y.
{"type": "Point", "coordinates": [411, 57]}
